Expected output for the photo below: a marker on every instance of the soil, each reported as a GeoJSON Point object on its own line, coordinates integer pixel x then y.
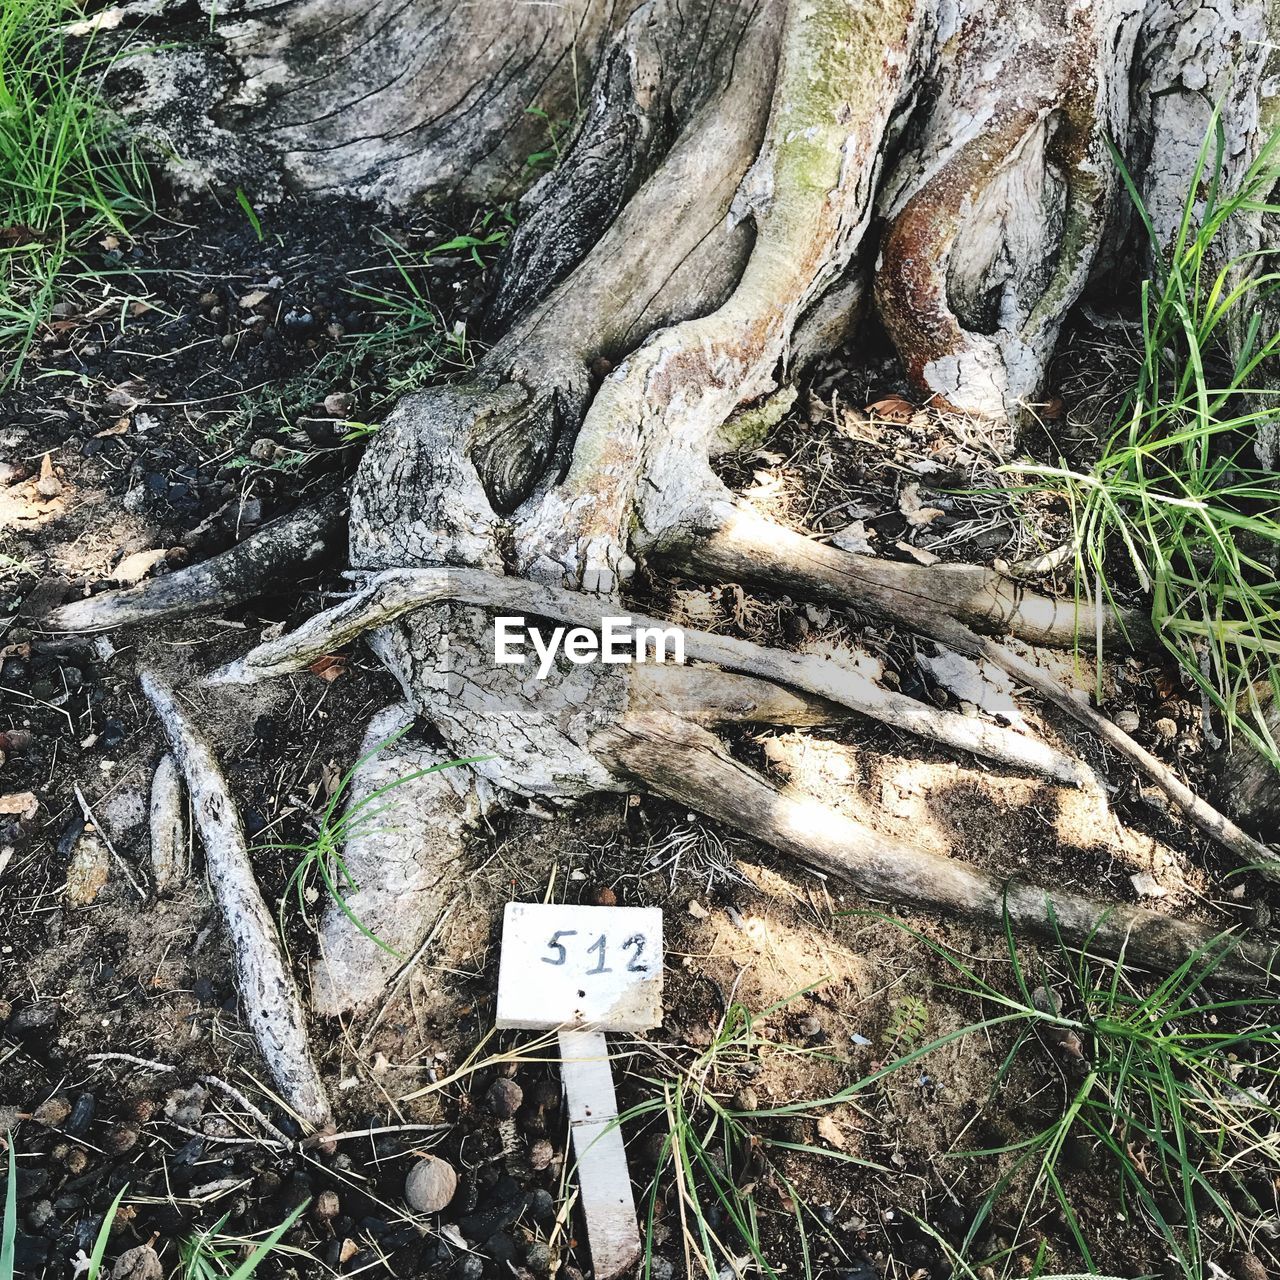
{"type": "Point", "coordinates": [206, 383]}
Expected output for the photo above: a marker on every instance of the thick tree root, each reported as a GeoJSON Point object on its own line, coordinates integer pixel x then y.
{"type": "Point", "coordinates": [753, 551]}
{"type": "Point", "coordinates": [401, 852]}
{"type": "Point", "coordinates": [994, 229]}
{"type": "Point", "coordinates": [291, 544]}
{"type": "Point", "coordinates": [271, 1003]}
{"type": "Point", "coordinates": [396, 592]}
{"type": "Point", "coordinates": [673, 758]}
{"type": "Point", "coordinates": [640, 461]}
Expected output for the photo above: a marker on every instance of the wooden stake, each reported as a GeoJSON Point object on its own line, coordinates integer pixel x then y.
{"type": "Point", "coordinates": [603, 1180]}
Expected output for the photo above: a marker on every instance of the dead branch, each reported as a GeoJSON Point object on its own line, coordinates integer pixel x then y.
{"type": "Point", "coordinates": [271, 1002]}
{"type": "Point", "coordinates": [685, 763]}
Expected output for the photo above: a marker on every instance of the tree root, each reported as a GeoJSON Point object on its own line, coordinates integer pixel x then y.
{"type": "Point", "coordinates": [168, 826]}
{"type": "Point", "coordinates": [641, 457]}
{"type": "Point", "coordinates": [397, 592]}
{"type": "Point", "coordinates": [271, 1003]}
{"type": "Point", "coordinates": [751, 550]}
{"type": "Point", "coordinates": [673, 758]}
{"type": "Point", "coordinates": [401, 850]}
{"type": "Point", "coordinates": [993, 230]}
{"type": "Point", "coordinates": [291, 544]}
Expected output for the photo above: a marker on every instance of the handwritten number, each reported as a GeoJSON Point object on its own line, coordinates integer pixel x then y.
{"type": "Point", "coordinates": [633, 965]}
{"type": "Point", "coordinates": [556, 945]}
{"type": "Point", "coordinates": [598, 945]}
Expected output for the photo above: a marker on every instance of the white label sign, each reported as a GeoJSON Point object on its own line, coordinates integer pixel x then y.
{"type": "Point", "coordinates": [566, 966]}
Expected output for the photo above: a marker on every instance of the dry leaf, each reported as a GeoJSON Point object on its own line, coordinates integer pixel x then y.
{"type": "Point", "coordinates": [127, 395]}
{"type": "Point", "coordinates": [830, 1133]}
{"type": "Point", "coordinates": [117, 428]}
{"type": "Point", "coordinates": [918, 554]}
{"type": "Point", "coordinates": [19, 804]}
{"type": "Point", "coordinates": [911, 506]}
{"type": "Point", "coordinates": [252, 298]}
{"type": "Point", "coordinates": [134, 568]}
{"type": "Point", "coordinates": [892, 409]}
{"type": "Point", "coordinates": [853, 538]}
{"type": "Point", "coordinates": [329, 667]}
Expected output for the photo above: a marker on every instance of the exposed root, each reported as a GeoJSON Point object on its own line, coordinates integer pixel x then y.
{"type": "Point", "coordinates": [291, 544]}
{"type": "Point", "coordinates": [678, 760]}
{"type": "Point", "coordinates": [756, 551]}
{"type": "Point", "coordinates": [744, 546]}
{"type": "Point", "coordinates": [1000, 206]}
{"type": "Point", "coordinates": [401, 851]}
{"type": "Point", "coordinates": [271, 1003]}
{"type": "Point", "coordinates": [396, 592]}
{"type": "Point", "coordinates": [169, 854]}
{"type": "Point", "coordinates": [641, 457]}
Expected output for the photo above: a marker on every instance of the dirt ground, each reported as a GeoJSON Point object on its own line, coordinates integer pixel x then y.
{"type": "Point", "coordinates": [208, 383]}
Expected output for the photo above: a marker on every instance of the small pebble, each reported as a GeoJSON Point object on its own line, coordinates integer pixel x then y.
{"type": "Point", "coordinates": [810, 1027]}
{"type": "Point", "coordinates": [541, 1154]}
{"type": "Point", "coordinates": [1128, 720]}
{"type": "Point", "coordinates": [326, 1207]}
{"type": "Point", "coordinates": [141, 1263]}
{"type": "Point", "coordinates": [538, 1256]}
{"type": "Point", "coordinates": [1251, 1267]}
{"type": "Point", "coordinates": [52, 1111]}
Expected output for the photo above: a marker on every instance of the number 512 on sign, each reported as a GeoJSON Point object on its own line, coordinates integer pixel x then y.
{"type": "Point", "coordinates": [567, 966]}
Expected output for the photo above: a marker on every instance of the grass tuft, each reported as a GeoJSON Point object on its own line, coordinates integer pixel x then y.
{"type": "Point", "coordinates": [65, 169]}
{"type": "Point", "coordinates": [322, 856]}
{"type": "Point", "coordinates": [1164, 1089]}
{"type": "Point", "coordinates": [1177, 493]}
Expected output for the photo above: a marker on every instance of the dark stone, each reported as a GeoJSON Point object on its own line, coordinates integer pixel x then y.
{"type": "Point", "coordinates": [542, 1206]}
{"type": "Point", "coordinates": [501, 1248]}
{"type": "Point", "coordinates": [81, 1115]}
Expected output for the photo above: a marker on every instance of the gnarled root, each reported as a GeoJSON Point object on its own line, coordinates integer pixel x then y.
{"type": "Point", "coordinates": [400, 852]}
{"type": "Point", "coordinates": [999, 208]}
{"type": "Point", "coordinates": [755, 551]}
{"type": "Point", "coordinates": [685, 763]}
{"type": "Point", "coordinates": [640, 464]}
{"type": "Point", "coordinates": [266, 986]}
{"type": "Point", "coordinates": [397, 592]}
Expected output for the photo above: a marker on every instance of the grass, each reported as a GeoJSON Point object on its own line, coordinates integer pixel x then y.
{"type": "Point", "coordinates": [321, 857]}
{"type": "Point", "coordinates": [409, 345]}
{"type": "Point", "coordinates": [65, 171]}
{"type": "Point", "coordinates": [1177, 493]}
{"type": "Point", "coordinates": [1165, 1086]}
{"type": "Point", "coordinates": [712, 1154]}
{"type": "Point", "coordinates": [209, 1254]}
{"type": "Point", "coordinates": [9, 1229]}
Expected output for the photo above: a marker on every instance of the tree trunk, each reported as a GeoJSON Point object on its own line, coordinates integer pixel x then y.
{"type": "Point", "coordinates": [741, 179]}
